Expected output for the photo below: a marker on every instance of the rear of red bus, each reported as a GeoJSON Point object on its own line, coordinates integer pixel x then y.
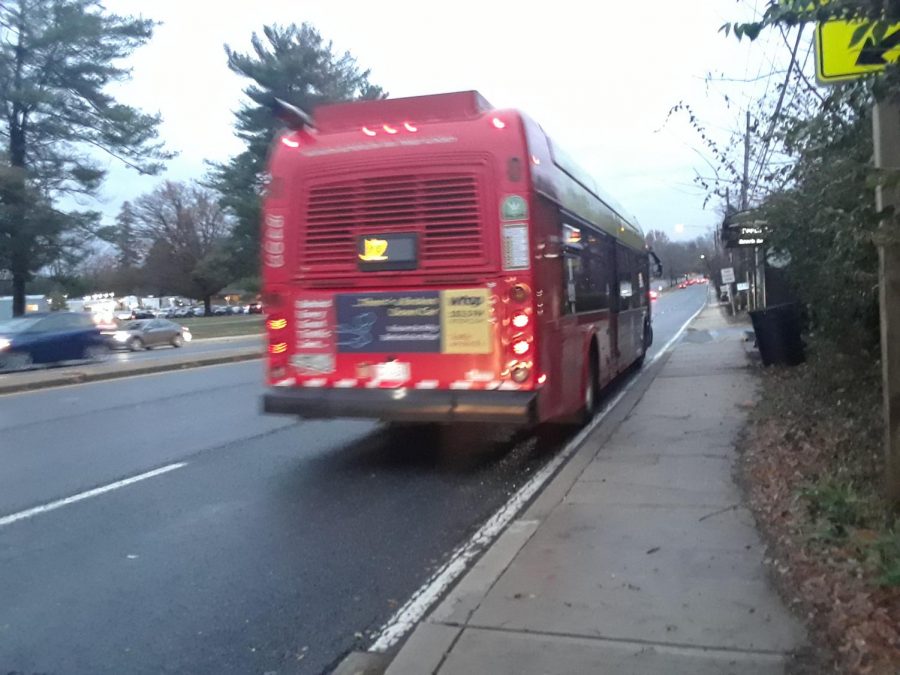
{"type": "Point", "coordinates": [396, 264]}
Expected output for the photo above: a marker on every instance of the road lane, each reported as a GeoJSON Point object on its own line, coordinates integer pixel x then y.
{"type": "Point", "coordinates": [57, 442]}
{"type": "Point", "coordinates": [271, 551]}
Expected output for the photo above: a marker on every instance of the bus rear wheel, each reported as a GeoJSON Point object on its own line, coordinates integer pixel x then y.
{"type": "Point", "coordinates": [591, 396]}
{"type": "Point", "coordinates": [648, 341]}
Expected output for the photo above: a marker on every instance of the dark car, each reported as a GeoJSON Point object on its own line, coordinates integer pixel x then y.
{"type": "Point", "coordinates": [255, 308]}
{"type": "Point", "coordinates": [47, 338]}
{"type": "Point", "coordinates": [141, 313]}
{"type": "Point", "coordinates": [149, 333]}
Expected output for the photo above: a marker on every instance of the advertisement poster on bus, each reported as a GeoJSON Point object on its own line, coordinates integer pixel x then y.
{"type": "Point", "coordinates": [448, 322]}
{"type": "Point", "coordinates": [378, 323]}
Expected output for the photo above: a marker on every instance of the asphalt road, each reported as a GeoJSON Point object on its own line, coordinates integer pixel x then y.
{"type": "Point", "coordinates": [277, 546]}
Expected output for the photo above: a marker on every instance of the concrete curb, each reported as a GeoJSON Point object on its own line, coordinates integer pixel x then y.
{"type": "Point", "coordinates": [227, 338]}
{"type": "Point", "coordinates": [78, 375]}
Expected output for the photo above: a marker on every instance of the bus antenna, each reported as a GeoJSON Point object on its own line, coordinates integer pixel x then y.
{"type": "Point", "coordinates": [291, 115]}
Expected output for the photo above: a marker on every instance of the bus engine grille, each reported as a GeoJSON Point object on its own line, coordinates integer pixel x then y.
{"type": "Point", "coordinates": [443, 209]}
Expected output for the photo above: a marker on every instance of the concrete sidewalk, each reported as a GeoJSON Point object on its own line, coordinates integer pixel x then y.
{"type": "Point", "coordinates": [640, 560]}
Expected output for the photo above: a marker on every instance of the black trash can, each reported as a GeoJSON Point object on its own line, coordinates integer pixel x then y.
{"type": "Point", "coordinates": [777, 331]}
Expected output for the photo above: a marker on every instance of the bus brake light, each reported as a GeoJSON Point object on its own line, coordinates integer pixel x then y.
{"type": "Point", "coordinates": [277, 324]}
{"type": "Point", "coordinates": [498, 123]}
{"type": "Point", "coordinates": [367, 131]}
{"type": "Point", "coordinates": [278, 348]}
{"type": "Point", "coordinates": [520, 321]}
{"type": "Point", "coordinates": [521, 347]}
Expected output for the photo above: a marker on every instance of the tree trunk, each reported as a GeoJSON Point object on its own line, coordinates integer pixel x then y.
{"type": "Point", "coordinates": [207, 304]}
{"type": "Point", "coordinates": [18, 282]}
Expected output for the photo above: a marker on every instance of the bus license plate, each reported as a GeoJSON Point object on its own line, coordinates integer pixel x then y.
{"type": "Point", "coordinates": [392, 371]}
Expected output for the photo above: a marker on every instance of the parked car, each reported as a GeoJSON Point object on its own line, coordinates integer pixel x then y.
{"type": "Point", "coordinates": [654, 295]}
{"type": "Point", "coordinates": [198, 311]}
{"type": "Point", "coordinates": [141, 313]}
{"type": "Point", "coordinates": [220, 310]}
{"type": "Point", "coordinates": [149, 333]}
{"type": "Point", "coordinates": [255, 308]}
{"type": "Point", "coordinates": [182, 312]}
{"type": "Point", "coordinates": [47, 338]}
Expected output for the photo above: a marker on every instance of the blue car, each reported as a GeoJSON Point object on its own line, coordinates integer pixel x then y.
{"type": "Point", "coordinates": [48, 338]}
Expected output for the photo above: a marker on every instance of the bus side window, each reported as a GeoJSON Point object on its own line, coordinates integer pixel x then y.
{"type": "Point", "coordinates": [572, 271]}
{"type": "Point", "coordinates": [603, 252]}
{"type": "Point", "coordinates": [624, 271]}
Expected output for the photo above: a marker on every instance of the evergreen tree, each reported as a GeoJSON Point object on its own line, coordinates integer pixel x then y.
{"type": "Point", "coordinates": [296, 65]}
{"type": "Point", "coordinates": [57, 58]}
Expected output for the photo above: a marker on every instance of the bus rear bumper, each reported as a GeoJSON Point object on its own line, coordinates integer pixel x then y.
{"type": "Point", "coordinates": [405, 405]}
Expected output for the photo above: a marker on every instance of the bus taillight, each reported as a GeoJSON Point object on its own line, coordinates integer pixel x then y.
{"type": "Point", "coordinates": [518, 293]}
{"type": "Point", "coordinates": [521, 347]}
{"type": "Point", "coordinates": [521, 373]}
{"type": "Point", "coordinates": [520, 320]}
{"type": "Point", "coordinates": [276, 324]}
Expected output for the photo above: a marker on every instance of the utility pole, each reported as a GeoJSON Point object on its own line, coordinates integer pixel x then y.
{"type": "Point", "coordinates": [745, 181]}
{"type": "Point", "coordinates": [745, 202]}
{"type": "Point", "coordinates": [886, 127]}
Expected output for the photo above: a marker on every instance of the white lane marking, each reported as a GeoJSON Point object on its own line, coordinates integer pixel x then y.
{"type": "Point", "coordinates": [52, 506]}
{"type": "Point", "coordinates": [405, 618]}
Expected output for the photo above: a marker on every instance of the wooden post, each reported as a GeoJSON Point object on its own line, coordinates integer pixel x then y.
{"type": "Point", "coordinates": [886, 126]}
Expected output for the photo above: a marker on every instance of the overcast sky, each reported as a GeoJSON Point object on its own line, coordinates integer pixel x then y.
{"type": "Point", "coordinates": [600, 77]}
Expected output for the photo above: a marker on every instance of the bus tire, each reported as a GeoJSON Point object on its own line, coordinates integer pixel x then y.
{"type": "Point", "coordinates": [648, 340]}
{"type": "Point", "coordinates": [591, 393]}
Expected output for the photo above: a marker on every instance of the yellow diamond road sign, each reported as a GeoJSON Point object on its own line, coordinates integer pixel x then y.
{"type": "Point", "coordinates": [837, 60]}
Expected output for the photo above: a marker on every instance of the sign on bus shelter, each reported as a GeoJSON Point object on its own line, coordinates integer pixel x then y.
{"type": "Point", "coordinates": [744, 229]}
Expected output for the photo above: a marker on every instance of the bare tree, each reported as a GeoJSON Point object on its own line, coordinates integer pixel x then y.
{"type": "Point", "coordinates": [188, 222]}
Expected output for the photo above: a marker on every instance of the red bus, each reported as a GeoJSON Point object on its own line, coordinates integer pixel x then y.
{"type": "Point", "coordinates": [434, 259]}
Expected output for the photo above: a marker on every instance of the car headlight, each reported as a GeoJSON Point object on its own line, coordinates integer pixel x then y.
{"type": "Point", "coordinates": [121, 336]}
{"type": "Point", "coordinates": [4, 344]}
{"type": "Point", "coordinates": [186, 335]}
